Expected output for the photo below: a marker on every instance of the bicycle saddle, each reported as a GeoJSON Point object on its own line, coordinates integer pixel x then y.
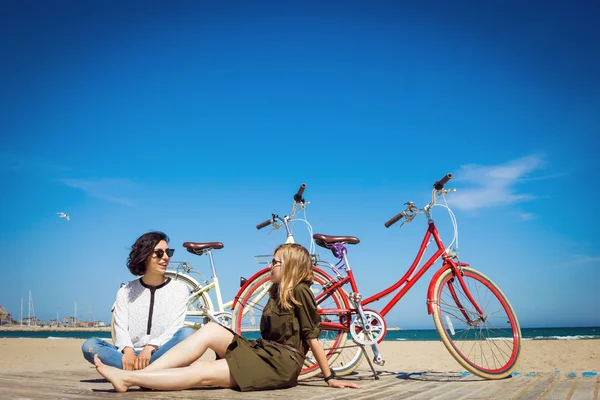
{"type": "Point", "coordinates": [326, 240]}
{"type": "Point", "coordinates": [199, 248]}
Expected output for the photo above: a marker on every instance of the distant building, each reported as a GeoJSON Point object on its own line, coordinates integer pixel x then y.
{"type": "Point", "coordinates": [30, 321]}
{"type": "Point", "coordinates": [5, 318]}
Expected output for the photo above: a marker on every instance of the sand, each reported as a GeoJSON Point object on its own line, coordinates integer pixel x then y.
{"type": "Point", "coordinates": [401, 356]}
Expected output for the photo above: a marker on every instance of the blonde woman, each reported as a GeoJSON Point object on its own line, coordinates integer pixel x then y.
{"type": "Point", "coordinates": [290, 326]}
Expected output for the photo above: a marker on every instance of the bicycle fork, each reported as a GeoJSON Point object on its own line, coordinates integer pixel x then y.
{"type": "Point", "coordinates": [470, 321]}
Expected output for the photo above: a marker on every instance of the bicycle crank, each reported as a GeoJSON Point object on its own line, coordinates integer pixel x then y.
{"type": "Point", "coordinates": [368, 332]}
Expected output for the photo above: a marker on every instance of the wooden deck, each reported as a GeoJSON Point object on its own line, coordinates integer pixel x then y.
{"type": "Point", "coordinates": [86, 383]}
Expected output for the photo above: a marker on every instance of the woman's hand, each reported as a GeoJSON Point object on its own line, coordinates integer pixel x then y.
{"type": "Point", "coordinates": [336, 383]}
{"type": "Point", "coordinates": [319, 355]}
{"type": "Point", "coordinates": [128, 359]}
{"type": "Point", "coordinates": [143, 359]}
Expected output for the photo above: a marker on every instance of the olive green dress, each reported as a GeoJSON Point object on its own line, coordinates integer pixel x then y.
{"type": "Point", "coordinates": [275, 361]}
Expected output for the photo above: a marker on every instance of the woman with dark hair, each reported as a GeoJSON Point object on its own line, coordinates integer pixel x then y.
{"type": "Point", "coordinates": [149, 311]}
{"type": "Point", "coordinates": [290, 325]}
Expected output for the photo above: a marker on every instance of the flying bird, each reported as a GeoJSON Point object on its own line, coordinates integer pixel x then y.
{"type": "Point", "coordinates": [63, 215]}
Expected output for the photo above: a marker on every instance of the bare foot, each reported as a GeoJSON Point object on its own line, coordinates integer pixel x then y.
{"type": "Point", "coordinates": [112, 374]}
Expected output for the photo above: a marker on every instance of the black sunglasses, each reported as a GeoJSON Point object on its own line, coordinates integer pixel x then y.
{"type": "Point", "coordinates": [275, 261]}
{"type": "Point", "coordinates": [160, 252]}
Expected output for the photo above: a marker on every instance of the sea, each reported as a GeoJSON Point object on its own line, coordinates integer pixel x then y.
{"type": "Point", "coordinates": [582, 333]}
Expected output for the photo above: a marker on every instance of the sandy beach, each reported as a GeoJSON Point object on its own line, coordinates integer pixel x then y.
{"type": "Point", "coordinates": [406, 356]}
{"type": "Point", "coordinates": [548, 370]}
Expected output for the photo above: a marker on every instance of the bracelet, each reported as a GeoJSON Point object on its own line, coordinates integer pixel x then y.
{"type": "Point", "coordinates": [330, 377]}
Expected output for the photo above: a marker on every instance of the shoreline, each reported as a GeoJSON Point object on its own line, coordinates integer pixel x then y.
{"type": "Point", "coordinates": [18, 328]}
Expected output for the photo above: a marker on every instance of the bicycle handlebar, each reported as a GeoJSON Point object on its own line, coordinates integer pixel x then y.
{"type": "Point", "coordinates": [394, 220]}
{"type": "Point", "coordinates": [297, 199]}
{"type": "Point", "coordinates": [439, 185]}
{"type": "Point", "coordinates": [263, 224]}
{"type": "Point", "coordinates": [298, 196]}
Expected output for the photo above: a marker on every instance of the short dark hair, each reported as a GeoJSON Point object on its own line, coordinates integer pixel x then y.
{"type": "Point", "coordinates": [142, 249]}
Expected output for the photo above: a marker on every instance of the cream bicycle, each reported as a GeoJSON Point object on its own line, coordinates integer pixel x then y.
{"type": "Point", "coordinates": [201, 308]}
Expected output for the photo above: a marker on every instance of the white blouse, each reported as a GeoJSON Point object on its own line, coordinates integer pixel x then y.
{"type": "Point", "coordinates": [149, 314]}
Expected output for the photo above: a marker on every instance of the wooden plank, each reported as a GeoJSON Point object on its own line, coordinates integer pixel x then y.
{"type": "Point", "coordinates": [535, 391]}
{"type": "Point", "coordinates": [512, 386]}
{"type": "Point", "coordinates": [395, 390]}
{"type": "Point", "coordinates": [584, 389]}
{"type": "Point", "coordinates": [480, 390]}
{"type": "Point", "coordinates": [86, 384]}
{"type": "Point", "coordinates": [467, 390]}
{"type": "Point", "coordinates": [559, 390]}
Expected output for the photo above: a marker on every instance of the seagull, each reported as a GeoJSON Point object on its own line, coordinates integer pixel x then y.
{"type": "Point", "coordinates": [63, 215]}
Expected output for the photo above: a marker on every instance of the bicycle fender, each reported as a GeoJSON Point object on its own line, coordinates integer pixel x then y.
{"type": "Point", "coordinates": [248, 282]}
{"type": "Point", "coordinates": [431, 288]}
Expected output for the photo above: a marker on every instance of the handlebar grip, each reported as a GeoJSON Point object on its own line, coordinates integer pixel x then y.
{"type": "Point", "coordinates": [394, 220]}
{"type": "Point", "coordinates": [263, 224]}
{"type": "Point", "coordinates": [298, 196]}
{"type": "Point", "coordinates": [439, 185]}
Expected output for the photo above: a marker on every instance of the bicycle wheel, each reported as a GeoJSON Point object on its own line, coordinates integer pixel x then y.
{"type": "Point", "coordinates": [198, 304]}
{"type": "Point", "coordinates": [248, 312]}
{"type": "Point", "coordinates": [488, 347]}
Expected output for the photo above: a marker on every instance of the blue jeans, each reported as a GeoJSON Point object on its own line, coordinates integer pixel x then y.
{"type": "Point", "coordinates": [110, 355]}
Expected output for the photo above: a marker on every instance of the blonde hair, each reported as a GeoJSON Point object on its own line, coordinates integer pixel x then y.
{"type": "Point", "coordinates": [296, 267]}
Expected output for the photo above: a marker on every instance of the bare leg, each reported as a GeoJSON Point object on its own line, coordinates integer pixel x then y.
{"type": "Point", "coordinates": [211, 336]}
{"type": "Point", "coordinates": [201, 373]}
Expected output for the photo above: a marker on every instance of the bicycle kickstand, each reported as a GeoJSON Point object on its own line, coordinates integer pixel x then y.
{"type": "Point", "coordinates": [362, 347]}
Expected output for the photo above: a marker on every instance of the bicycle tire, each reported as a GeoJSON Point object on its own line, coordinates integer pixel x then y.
{"type": "Point", "coordinates": [112, 324]}
{"type": "Point", "coordinates": [248, 310]}
{"type": "Point", "coordinates": [195, 317]}
{"type": "Point", "coordinates": [499, 334]}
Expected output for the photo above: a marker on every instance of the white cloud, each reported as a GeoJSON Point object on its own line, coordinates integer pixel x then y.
{"type": "Point", "coordinates": [112, 190]}
{"type": "Point", "coordinates": [494, 185]}
{"type": "Point", "coordinates": [581, 259]}
{"type": "Point", "coordinates": [526, 216]}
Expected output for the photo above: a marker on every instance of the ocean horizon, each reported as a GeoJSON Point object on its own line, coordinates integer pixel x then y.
{"type": "Point", "coordinates": [564, 333]}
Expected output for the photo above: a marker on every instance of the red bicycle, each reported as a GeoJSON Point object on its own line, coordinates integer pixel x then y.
{"type": "Point", "coordinates": [474, 319]}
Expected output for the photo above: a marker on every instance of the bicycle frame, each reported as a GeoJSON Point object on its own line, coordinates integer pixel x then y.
{"type": "Point", "coordinates": [404, 284]}
{"type": "Point", "coordinates": [208, 285]}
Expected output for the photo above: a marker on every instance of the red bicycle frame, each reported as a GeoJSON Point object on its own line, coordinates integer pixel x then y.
{"type": "Point", "coordinates": [405, 283]}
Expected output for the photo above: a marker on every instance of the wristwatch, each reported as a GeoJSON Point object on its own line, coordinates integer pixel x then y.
{"type": "Point", "coordinates": [330, 377]}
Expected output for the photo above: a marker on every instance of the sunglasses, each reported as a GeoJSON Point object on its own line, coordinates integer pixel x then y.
{"type": "Point", "coordinates": [275, 261]}
{"type": "Point", "coordinates": [160, 252]}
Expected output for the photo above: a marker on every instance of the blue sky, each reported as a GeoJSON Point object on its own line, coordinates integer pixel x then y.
{"type": "Point", "coordinates": [201, 119]}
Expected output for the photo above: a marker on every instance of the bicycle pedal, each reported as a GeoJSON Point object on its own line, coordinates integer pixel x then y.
{"type": "Point", "coordinates": [379, 361]}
